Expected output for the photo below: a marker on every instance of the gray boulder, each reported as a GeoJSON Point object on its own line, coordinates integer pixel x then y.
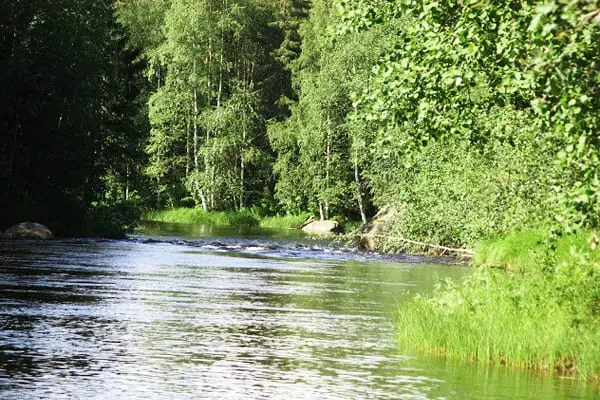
{"type": "Point", "coordinates": [27, 230]}
{"type": "Point", "coordinates": [325, 227]}
{"type": "Point", "coordinates": [380, 225]}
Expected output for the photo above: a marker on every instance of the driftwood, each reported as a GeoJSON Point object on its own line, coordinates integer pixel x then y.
{"type": "Point", "coordinates": [308, 221]}
{"type": "Point", "coordinates": [445, 249]}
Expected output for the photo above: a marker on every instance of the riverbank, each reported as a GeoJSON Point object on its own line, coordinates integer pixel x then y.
{"type": "Point", "coordinates": [112, 220]}
{"type": "Point", "coordinates": [533, 302]}
{"type": "Point", "coordinates": [246, 218]}
{"type": "Point", "coordinates": [198, 216]}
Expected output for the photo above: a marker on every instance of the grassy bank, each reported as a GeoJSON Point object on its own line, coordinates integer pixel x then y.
{"type": "Point", "coordinates": [250, 217]}
{"type": "Point", "coordinates": [199, 216]}
{"type": "Point", "coordinates": [283, 221]}
{"type": "Point", "coordinates": [541, 310]}
{"type": "Point", "coordinates": [232, 218]}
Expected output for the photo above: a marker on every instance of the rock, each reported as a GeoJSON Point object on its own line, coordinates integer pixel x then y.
{"type": "Point", "coordinates": [325, 227]}
{"type": "Point", "coordinates": [379, 225]}
{"type": "Point", "coordinates": [27, 230]}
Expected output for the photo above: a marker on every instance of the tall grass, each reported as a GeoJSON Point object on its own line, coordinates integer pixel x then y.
{"type": "Point", "coordinates": [544, 315]}
{"type": "Point", "coordinates": [199, 216]}
{"type": "Point", "coordinates": [283, 221]}
{"type": "Point", "coordinates": [531, 248]}
{"type": "Point", "coordinates": [250, 217]}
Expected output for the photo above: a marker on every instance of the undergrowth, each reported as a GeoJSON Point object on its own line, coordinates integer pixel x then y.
{"type": "Point", "coordinates": [283, 221]}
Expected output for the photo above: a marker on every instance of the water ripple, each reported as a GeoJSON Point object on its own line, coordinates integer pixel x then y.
{"type": "Point", "coordinates": [221, 319]}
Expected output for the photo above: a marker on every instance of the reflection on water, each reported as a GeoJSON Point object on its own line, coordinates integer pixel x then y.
{"type": "Point", "coordinates": [156, 319]}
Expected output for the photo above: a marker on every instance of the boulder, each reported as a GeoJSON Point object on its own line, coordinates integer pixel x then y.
{"type": "Point", "coordinates": [325, 227]}
{"type": "Point", "coordinates": [27, 230]}
{"type": "Point", "coordinates": [379, 225]}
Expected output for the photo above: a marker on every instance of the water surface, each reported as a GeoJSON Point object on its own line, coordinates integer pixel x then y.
{"type": "Point", "coordinates": [222, 315]}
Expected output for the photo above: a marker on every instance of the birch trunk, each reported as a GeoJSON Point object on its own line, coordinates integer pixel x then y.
{"type": "Point", "coordinates": [359, 197]}
{"type": "Point", "coordinates": [242, 165]}
{"type": "Point", "coordinates": [188, 155]}
{"type": "Point", "coordinates": [127, 182]}
{"type": "Point", "coordinates": [327, 164]}
{"type": "Point", "coordinates": [195, 123]}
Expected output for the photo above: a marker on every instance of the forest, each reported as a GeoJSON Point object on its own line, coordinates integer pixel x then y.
{"type": "Point", "coordinates": [469, 118]}
{"type": "Point", "coordinates": [475, 120]}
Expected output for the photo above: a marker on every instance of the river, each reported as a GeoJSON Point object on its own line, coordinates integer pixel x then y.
{"type": "Point", "coordinates": [206, 313]}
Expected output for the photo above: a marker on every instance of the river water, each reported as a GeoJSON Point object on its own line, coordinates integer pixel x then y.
{"type": "Point", "coordinates": [213, 314]}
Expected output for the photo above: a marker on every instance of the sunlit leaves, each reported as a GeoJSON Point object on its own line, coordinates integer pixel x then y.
{"type": "Point", "coordinates": [452, 61]}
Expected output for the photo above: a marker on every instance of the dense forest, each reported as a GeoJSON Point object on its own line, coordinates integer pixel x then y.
{"type": "Point", "coordinates": [468, 118]}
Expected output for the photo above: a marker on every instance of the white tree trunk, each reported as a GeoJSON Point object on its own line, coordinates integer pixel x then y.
{"type": "Point", "coordinates": [359, 197]}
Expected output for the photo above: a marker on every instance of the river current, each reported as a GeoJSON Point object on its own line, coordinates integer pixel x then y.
{"type": "Point", "coordinates": [214, 314]}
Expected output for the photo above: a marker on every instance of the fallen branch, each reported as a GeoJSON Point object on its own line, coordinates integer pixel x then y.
{"type": "Point", "coordinates": [433, 246]}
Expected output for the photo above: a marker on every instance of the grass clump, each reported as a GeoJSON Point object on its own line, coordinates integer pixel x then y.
{"type": "Point", "coordinates": [250, 218]}
{"type": "Point", "coordinates": [532, 248]}
{"type": "Point", "coordinates": [283, 221]}
{"type": "Point", "coordinates": [199, 216]}
{"type": "Point", "coordinates": [544, 315]}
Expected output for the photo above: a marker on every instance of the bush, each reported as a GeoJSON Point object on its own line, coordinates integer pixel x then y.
{"type": "Point", "coordinates": [455, 195]}
{"type": "Point", "coordinates": [112, 220]}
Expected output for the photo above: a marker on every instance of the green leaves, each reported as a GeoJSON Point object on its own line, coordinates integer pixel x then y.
{"type": "Point", "coordinates": [449, 65]}
{"type": "Point", "coordinates": [379, 86]}
{"type": "Point", "coordinates": [214, 85]}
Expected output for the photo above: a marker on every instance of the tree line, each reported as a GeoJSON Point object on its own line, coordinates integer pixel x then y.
{"type": "Point", "coordinates": [469, 118]}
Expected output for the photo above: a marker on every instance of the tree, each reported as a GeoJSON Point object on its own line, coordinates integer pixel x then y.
{"type": "Point", "coordinates": [329, 69]}
{"type": "Point", "coordinates": [63, 108]}
{"type": "Point", "coordinates": [216, 91]}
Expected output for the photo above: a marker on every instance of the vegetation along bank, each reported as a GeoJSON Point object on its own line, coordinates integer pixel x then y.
{"type": "Point", "coordinates": [471, 120]}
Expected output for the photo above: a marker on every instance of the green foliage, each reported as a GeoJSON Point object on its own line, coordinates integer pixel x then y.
{"type": "Point", "coordinates": [507, 86]}
{"type": "Point", "coordinates": [291, 15]}
{"type": "Point", "coordinates": [212, 66]}
{"type": "Point", "coordinates": [542, 315]}
{"type": "Point", "coordinates": [315, 146]}
{"type": "Point", "coordinates": [112, 220]}
{"type": "Point", "coordinates": [532, 248]}
{"type": "Point", "coordinates": [434, 87]}
{"type": "Point", "coordinates": [246, 217]}
{"type": "Point", "coordinates": [459, 195]}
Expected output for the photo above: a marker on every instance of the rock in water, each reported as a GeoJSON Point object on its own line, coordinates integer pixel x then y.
{"type": "Point", "coordinates": [325, 227]}
{"type": "Point", "coordinates": [27, 230]}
